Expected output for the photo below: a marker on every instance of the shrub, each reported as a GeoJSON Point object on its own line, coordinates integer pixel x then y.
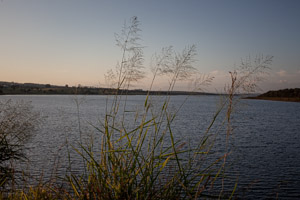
{"type": "Point", "coordinates": [17, 121]}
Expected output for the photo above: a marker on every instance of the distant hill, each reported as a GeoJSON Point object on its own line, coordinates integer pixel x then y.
{"type": "Point", "coordinates": [12, 88]}
{"type": "Point", "coordinates": [280, 95]}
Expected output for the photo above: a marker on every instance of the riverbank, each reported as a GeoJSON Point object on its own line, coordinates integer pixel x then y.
{"type": "Point", "coordinates": [289, 99]}
{"type": "Point", "coordinates": [292, 95]}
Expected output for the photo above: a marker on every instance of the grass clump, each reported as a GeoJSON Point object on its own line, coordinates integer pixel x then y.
{"type": "Point", "coordinates": [139, 157]}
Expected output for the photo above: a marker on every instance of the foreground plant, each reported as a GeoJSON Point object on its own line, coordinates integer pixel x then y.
{"type": "Point", "coordinates": [140, 159]}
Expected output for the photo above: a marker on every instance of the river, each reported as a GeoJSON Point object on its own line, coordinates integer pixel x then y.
{"type": "Point", "coordinates": [265, 142]}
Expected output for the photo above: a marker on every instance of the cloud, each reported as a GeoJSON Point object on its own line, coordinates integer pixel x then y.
{"type": "Point", "coordinates": [214, 72]}
{"type": "Point", "coordinates": [282, 73]}
{"type": "Point", "coordinates": [283, 81]}
{"type": "Point", "coordinates": [218, 73]}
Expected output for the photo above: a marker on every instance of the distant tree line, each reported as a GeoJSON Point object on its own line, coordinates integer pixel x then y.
{"type": "Point", "coordinates": [282, 93]}
{"type": "Point", "coordinates": [11, 88]}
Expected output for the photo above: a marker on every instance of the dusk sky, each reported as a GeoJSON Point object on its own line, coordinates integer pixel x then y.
{"type": "Point", "coordinates": [72, 41]}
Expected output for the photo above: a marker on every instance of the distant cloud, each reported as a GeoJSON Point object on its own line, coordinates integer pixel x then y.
{"type": "Point", "coordinates": [282, 73]}
{"type": "Point", "coordinates": [214, 72]}
{"type": "Point", "coordinates": [286, 79]}
{"type": "Point", "coordinates": [218, 73]}
{"type": "Point", "coordinates": [283, 81]}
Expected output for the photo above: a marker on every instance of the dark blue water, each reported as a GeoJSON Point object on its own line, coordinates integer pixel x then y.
{"type": "Point", "coordinates": [264, 144]}
{"type": "Point", "coordinates": [268, 148]}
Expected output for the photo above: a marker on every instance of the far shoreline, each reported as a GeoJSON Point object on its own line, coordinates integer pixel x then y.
{"type": "Point", "coordinates": [285, 99]}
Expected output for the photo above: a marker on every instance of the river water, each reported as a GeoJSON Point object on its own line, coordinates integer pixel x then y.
{"type": "Point", "coordinates": [265, 141]}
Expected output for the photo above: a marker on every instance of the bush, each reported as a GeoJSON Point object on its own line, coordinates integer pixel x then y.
{"type": "Point", "coordinates": [17, 121]}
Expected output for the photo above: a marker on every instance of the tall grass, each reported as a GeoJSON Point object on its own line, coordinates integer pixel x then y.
{"type": "Point", "coordinates": [139, 156]}
{"type": "Point", "coordinates": [143, 160]}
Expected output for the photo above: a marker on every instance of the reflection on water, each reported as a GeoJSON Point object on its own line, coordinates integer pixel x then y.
{"type": "Point", "coordinates": [265, 141]}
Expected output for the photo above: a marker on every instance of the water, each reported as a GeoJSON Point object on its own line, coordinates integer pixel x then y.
{"type": "Point", "coordinates": [265, 142]}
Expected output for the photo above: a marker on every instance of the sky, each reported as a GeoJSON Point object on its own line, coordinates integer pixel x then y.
{"type": "Point", "coordinates": [73, 41]}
